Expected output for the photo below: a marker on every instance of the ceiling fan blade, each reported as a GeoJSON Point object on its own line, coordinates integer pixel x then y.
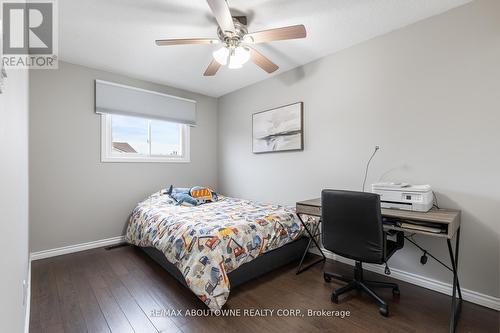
{"type": "Point", "coordinates": [212, 68]}
{"type": "Point", "coordinates": [220, 9]}
{"type": "Point", "coordinates": [185, 41]}
{"type": "Point", "coordinates": [291, 32]}
{"type": "Point", "coordinates": [262, 61]}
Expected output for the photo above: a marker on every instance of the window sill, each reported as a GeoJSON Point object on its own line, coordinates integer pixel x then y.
{"type": "Point", "coordinates": [144, 160]}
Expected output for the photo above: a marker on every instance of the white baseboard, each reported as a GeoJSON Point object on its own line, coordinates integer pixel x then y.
{"type": "Point", "coordinates": [76, 248]}
{"type": "Point", "coordinates": [422, 281]}
{"type": "Point", "coordinates": [28, 300]}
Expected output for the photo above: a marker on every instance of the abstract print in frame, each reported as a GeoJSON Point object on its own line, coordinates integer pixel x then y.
{"type": "Point", "coordinates": [279, 129]}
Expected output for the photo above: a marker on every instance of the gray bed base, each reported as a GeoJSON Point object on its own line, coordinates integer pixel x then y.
{"type": "Point", "coordinates": [261, 265]}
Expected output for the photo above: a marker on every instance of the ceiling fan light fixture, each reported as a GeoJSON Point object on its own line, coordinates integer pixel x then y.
{"type": "Point", "coordinates": [238, 57]}
{"type": "Point", "coordinates": [242, 54]}
{"type": "Point", "coordinates": [221, 55]}
{"type": "Point", "coordinates": [233, 57]}
{"type": "Point", "coordinates": [234, 64]}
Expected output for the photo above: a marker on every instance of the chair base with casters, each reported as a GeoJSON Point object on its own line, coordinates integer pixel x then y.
{"type": "Point", "coordinates": [359, 283]}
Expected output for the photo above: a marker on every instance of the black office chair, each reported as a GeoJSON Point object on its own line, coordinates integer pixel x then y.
{"type": "Point", "coordinates": [352, 227]}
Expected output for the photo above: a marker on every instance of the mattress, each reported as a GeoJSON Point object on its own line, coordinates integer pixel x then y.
{"type": "Point", "coordinates": [209, 241]}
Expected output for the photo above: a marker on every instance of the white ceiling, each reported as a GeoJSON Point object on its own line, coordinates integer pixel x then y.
{"type": "Point", "coordinates": [118, 35]}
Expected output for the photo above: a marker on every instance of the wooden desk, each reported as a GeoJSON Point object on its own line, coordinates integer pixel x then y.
{"type": "Point", "coordinates": [449, 219]}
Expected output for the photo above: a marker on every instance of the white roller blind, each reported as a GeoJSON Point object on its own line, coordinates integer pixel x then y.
{"type": "Point", "coordinates": [113, 98]}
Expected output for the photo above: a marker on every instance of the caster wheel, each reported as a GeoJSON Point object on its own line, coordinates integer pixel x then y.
{"type": "Point", "coordinates": [384, 311]}
{"type": "Point", "coordinates": [395, 291]}
{"type": "Point", "coordinates": [327, 278]}
{"type": "Point", "coordinates": [335, 298]}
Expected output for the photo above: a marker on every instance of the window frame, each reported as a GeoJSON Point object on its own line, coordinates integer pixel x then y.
{"type": "Point", "coordinates": [107, 146]}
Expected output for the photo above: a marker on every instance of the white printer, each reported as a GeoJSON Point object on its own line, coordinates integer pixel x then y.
{"type": "Point", "coordinates": [404, 196]}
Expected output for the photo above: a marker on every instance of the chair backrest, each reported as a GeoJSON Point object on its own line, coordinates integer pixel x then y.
{"type": "Point", "coordinates": [352, 225]}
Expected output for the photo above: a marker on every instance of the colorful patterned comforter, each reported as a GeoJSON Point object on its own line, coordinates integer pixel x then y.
{"type": "Point", "coordinates": [207, 242]}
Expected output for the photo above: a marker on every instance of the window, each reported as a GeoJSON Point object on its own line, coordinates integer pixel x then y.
{"type": "Point", "coordinates": [132, 139]}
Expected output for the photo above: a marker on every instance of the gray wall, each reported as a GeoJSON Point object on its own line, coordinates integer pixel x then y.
{"type": "Point", "coordinates": [74, 197]}
{"type": "Point", "coordinates": [14, 200]}
{"type": "Point", "coordinates": [428, 94]}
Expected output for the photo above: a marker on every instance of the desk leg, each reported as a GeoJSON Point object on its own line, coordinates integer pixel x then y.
{"type": "Point", "coordinates": [455, 308]}
{"type": "Point", "coordinates": [301, 269]}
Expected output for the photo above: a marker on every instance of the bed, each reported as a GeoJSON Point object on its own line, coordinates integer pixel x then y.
{"type": "Point", "coordinates": [215, 246]}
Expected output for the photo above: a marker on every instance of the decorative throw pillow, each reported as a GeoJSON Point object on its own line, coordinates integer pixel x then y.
{"type": "Point", "coordinates": [201, 194]}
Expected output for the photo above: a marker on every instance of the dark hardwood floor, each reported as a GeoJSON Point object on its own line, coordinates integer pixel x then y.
{"type": "Point", "coordinates": [117, 291]}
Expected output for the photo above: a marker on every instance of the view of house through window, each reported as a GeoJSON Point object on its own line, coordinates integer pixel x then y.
{"type": "Point", "coordinates": [130, 135]}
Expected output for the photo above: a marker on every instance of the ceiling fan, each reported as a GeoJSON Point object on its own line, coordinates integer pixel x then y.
{"type": "Point", "coordinates": [236, 40]}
